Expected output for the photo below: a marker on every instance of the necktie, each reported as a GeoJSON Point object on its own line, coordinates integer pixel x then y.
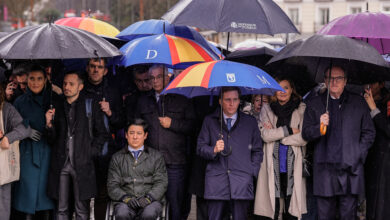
{"type": "Point", "coordinates": [229, 123]}
{"type": "Point", "coordinates": [136, 153]}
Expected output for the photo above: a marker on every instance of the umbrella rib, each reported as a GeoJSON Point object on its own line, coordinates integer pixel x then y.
{"type": "Point", "coordinates": [268, 20]}
{"type": "Point", "coordinates": [221, 2]}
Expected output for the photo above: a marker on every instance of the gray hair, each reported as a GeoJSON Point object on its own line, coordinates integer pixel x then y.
{"type": "Point", "coordinates": [157, 66]}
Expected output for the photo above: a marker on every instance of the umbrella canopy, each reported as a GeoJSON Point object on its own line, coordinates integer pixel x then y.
{"type": "Point", "coordinates": [256, 57]}
{"type": "Point", "coordinates": [51, 41]}
{"type": "Point", "coordinates": [207, 78]}
{"type": "Point", "coordinates": [249, 16]}
{"type": "Point", "coordinates": [373, 28]}
{"type": "Point", "coordinates": [251, 44]}
{"type": "Point", "coordinates": [156, 27]}
{"type": "Point", "coordinates": [90, 24]}
{"type": "Point", "coordinates": [362, 62]}
{"type": "Point", "coordinates": [175, 52]}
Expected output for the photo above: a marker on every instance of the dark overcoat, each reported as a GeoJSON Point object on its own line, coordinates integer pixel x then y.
{"type": "Point", "coordinates": [231, 177]}
{"type": "Point", "coordinates": [377, 168]}
{"type": "Point", "coordinates": [358, 134]}
{"type": "Point", "coordinates": [86, 148]}
{"type": "Point", "coordinates": [172, 141]}
{"type": "Point", "coordinates": [29, 193]}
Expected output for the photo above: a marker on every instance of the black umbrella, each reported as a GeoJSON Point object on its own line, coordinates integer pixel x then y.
{"type": "Point", "coordinates": [51, 41]}
{"type": "Point", "coordinates": [249, 16]}
{"type": "Point", "coordinates": [256, 57]}
{"type": "Point", "coordinates": [362, 62]}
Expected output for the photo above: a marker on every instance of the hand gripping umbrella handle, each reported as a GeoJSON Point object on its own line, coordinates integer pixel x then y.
{"type": "Point", "coordinates": [323, 129]}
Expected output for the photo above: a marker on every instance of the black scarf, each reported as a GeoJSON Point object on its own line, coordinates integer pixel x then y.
{"type": "Point", "coordinates": [285, 111]}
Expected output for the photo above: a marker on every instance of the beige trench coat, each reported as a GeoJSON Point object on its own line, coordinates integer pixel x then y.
{"type": "Point", "coordinates": [265, 191]}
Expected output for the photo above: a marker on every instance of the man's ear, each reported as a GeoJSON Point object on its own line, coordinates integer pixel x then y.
{"type": "Point", "coordinates": [146, 135]}
{"type": "Point", "coordinates": [105, 71]}
{"type": "Point", "coordinates": [81, 86]}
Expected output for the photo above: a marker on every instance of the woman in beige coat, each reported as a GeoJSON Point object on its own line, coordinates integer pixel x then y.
{"type": "Point", "coordinates": [281, 189]}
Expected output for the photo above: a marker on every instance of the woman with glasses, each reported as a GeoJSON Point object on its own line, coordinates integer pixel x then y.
{"type": "Point", "coordinates": [281, 187]}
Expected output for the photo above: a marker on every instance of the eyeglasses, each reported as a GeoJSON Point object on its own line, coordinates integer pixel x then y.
{"type": "Point", "coordinates": [92, 66]}
{"type": "Point", "coordinates": [335, 79]}
{"type": "Point", "coordinates": [157, 77]}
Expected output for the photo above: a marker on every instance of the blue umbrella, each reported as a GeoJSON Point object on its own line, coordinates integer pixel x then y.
{"type": "Point", "coordinates": [249, 16]}
{"type": "Point", "coordinates": [174, 52]}
{"type": "Point", "coordinates": [156, 27]}
{"type": "Point", "coordinates": [207, 79]}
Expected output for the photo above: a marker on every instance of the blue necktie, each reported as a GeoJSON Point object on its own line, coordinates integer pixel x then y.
{"type": "Point", "coordinates": [136, 153]}
{"type": "Point", "coordinates": [229, 123]}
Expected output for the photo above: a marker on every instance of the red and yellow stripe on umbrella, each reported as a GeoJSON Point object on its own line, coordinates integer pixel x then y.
{"type": "Point", "coordinates": [185, 50]}
{"type": "Point", "coordinates": [90, 24]}
{"type": "Point", "coordinates": [196, 75]}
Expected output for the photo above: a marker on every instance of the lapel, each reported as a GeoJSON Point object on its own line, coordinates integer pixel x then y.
{"type": "Point", "coordinates": [144, 155]}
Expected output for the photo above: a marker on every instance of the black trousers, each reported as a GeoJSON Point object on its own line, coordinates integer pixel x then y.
{"type": "Point", "coordinates": [217, 209]}
{"type": "Point", "coordinates": [67, 180]}
{"type": "Point", "coordinates": [346, 205]}
{"type": "Point", "coordinates": [124, 212]}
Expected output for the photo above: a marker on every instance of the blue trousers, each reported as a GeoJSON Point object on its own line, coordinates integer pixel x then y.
{"type": "Point", "coordinates": [217, 209]}
{"type": "Point", "coordinates": [177, 175]}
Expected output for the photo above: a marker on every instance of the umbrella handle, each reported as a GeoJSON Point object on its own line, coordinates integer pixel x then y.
{"type": "Point", "coordinates": [323, 129]}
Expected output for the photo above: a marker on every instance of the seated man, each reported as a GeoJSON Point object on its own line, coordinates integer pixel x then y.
{"type": "Point", "coordinates": [137, 177]}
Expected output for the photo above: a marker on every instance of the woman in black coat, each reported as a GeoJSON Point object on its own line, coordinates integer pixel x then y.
{"type": "Point", "coordinates": [378, 160]}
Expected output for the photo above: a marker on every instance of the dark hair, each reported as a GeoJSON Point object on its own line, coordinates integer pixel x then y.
{"type": "Point", "coordinates": [140, 69]}
{"type": "Point", "coordinates": [335, 66]}
{"type": "Point", "coordinates": [21, 69]}
{"type": "Point", "coordinates": [294, 94]}
{"type": "Point", "coordinates": [138, 122]}
{"type": "Point", "coordinates": [98, 60]}
{"type": "Point", "coordinates": [230, 88]}
{"type": "Point", "coordinates": [37, 68]}
{"type": "Point", "coordinates": [76, 72]}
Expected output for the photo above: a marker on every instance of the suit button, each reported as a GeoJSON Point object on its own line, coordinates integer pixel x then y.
{"type": "Point", "coordinates": [228, 136]}
{"type": "Point", "coordinates": [135, 179]}
{"type": "Point", "coordinates": [133, 168]}
{"type": "Point", "coordinates": [228, 171]}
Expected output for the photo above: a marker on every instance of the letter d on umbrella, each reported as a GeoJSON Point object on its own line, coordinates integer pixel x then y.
{"type": "Point", "coordinates": [151, 54]}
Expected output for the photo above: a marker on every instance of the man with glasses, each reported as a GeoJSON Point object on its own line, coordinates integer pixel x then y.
{"type": "Point", "coordinates": [171, 119]}
{"type": "Point", "coordinates": [97, 88]}
{"type": "Point", "coordinates": [143, 85]}
{"type": "Point", "coordinates": [340, 152]}
{"type": "Point", "coordinates": [234, 156]}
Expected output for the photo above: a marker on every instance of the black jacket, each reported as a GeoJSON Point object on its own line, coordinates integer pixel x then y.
{"type": "Point", "coordinates": [130, 104]}
{"type": "Point", "coordinates": [112, 96]}
{"type": "Point", "coordinates": [377, 167]}
{"type": "Point", "coordinates": [171, 142]}
{"type": "Point", "coordinates": [86, 148]}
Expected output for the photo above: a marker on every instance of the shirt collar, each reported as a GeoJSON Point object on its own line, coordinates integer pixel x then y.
{"type": "Point", "coordinates": [234, 117]}
{"type": "Point", "coordinates": [132, 149]}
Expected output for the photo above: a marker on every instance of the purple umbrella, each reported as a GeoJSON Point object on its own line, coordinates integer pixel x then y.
{"type": "Point", "coordinates": [373, 28]}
